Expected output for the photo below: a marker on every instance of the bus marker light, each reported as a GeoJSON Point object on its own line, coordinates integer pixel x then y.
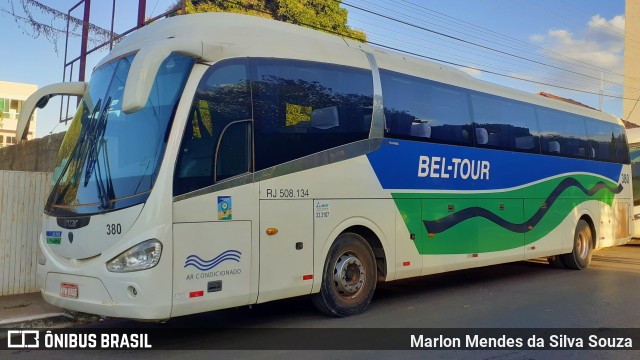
{"type": "Point", "coordinates": [272, 231]}
{"type": "Point", "coordinates": [307, 277]}
{"type": "Point", "coordinates": [530, 227]}
{"type": "Point", "coordinates": [432, 234]}
{"type": "Point", "coordinates": [196, 293]}
{"type": "Point", "coordinates": [406, 263]}
{"type": "Point", "coordinates": [533, 248]}
{"type": "Point", "coordinates": [474, 255]}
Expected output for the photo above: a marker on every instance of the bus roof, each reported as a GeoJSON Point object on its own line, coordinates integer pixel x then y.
{"type": "Point", "coordinates": [236, 35]}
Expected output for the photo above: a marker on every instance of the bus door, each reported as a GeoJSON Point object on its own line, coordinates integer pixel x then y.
{"type": "Point", "coordinates": [212, 250]}
{"type": "Point", "coordinates": [215, 202]}
{"type": "Point", "coordinates": [286, 244]}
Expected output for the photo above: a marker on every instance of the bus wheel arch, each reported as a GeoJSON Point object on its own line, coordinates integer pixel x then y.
{"type": "Point", "coordinates": [376, 245]}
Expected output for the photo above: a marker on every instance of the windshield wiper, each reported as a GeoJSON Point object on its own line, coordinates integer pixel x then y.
{"type": "Point", "coordinates": [105, 192]}
{"type": "Point", "coordinates": [79, 149]}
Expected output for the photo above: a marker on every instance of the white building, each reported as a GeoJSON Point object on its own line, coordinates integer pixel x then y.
{"type": "Point", "coordinates": [12, 95]}
{"type": "Point", "coordinates": [631, 108]}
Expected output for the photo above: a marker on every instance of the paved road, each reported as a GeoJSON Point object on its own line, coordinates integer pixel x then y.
{"type": "Point", "coordinates": [519, 295]}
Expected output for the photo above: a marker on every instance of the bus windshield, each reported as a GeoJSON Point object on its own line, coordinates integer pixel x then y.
{"type": "Point", "coordinates": [109, 160]}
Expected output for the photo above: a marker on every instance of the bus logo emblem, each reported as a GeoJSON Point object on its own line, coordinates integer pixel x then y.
{"type": "Point", "coordinates": [224, 208]}
{"type": "Point", "coordinates": [204, 265]}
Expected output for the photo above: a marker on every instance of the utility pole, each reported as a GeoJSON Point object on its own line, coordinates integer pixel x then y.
{"type": "Point", "coordinates": [601, 88]}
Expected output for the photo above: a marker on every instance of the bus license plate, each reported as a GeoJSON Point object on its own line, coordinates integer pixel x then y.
{"type": "Point", "coordinates": [69, 290]}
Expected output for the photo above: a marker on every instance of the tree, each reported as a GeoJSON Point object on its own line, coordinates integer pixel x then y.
{"type": "Point", "coordinates": [325, 15]}
{"type": "Point", "coordinates": [50, 28]}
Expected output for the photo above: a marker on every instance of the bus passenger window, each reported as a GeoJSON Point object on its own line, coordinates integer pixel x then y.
{"type": "Point", "coordinates": [425, 110]}
{"type": "Point", "coordinates": [563, 133]}
{"type": "Point", "coordinates": [301, 108]}
{"type": "Point", "coordinates": [511, 124]}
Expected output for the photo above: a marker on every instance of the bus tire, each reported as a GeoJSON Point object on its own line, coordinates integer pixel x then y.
{"type": "Point", "coordinates": [556, 262]}
{"type": "Point", "coordinates": [580, 257]}
{"type": "Point", "coordinates": [349, 277]}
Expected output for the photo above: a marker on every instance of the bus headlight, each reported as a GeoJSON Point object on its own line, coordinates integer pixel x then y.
{"type": "Point", "coordinates": [140, 257]}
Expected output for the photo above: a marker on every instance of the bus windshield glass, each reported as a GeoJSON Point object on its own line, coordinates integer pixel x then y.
{"type": "Point", "coordinates": [109, 160]}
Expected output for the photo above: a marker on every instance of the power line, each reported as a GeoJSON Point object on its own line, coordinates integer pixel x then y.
{"type": "Point", "coordinates": [449, 44]}
{"type": "Point", "coordinates": [436, 59]}
{"type": "Point", "coordinates": [633, 108]}
{"type": "Point", "coordinates": [471, 42]}
{"type": "Point", "coordinates": [498, 74]}
{"type": "Point", "coordinates": [510, 38]}
{"type": "Point", "coordinates": [390, 39]}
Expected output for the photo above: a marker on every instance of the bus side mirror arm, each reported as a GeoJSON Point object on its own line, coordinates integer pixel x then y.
{"type": "Point", "coordinates": [40, 98]}
{"type": "Point", "coordinates": [147, 61]}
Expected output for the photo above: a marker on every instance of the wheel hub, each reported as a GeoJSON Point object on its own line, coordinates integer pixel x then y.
{"type": "Point", "coordinates": [583, 246]}
{"type": "Point", "coordinates": [349, 275]}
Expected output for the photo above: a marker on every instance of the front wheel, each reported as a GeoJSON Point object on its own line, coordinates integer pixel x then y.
{"type": "Point", "coordinates": [349, 277]}
{"type": "Point", "coordinates": [580, 257]}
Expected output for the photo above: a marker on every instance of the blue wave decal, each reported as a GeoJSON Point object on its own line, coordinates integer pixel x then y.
{"type": "Point", "coordinates": [202, 264]}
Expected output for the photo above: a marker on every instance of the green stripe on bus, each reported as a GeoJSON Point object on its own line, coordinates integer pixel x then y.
{"type": "Point", "coordinates": [516, 208]}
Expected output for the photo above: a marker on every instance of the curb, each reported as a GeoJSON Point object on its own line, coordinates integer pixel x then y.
{"type": "Point", "coordinates": [25, 319]}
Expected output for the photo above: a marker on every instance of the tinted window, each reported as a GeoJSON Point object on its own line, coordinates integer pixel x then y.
{"type": "Point", "coordinates": [602, 139]}
{"type": "Point", "coordinates": [234, 151]}
{"type": "Point", "coordinates": [222, 99]}
{"type": "Point", "coordinates": [301, 108]}
{"type": "Point", "coordinates": [622, 147]}
{"type": "Point", "coordinates": [504, 124]}
{"type": "Point", "coordinates": [563, 134]}
{"type": "Point", "coordinates": [420, 109]}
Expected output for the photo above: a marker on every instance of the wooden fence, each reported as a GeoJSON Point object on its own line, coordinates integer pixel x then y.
{"type": "Point", "coordinates": [22, 198]}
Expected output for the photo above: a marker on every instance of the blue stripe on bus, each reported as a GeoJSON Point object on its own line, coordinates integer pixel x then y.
{"type": "Point", "coordinates": [448, 167]}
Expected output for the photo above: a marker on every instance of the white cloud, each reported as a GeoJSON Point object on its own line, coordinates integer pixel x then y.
{"type": "Point", "coordinates": [600, 44]}
{"type": "Point", "coordinates": [616, 24]}
{"type": "Point", "coordinates": [537, 38]}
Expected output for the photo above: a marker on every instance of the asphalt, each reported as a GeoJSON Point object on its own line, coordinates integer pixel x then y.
{"type": "Point", "coordinates": [31, 311]}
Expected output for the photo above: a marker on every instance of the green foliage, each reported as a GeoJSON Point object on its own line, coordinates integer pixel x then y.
{"type": "Point", "coordinates": [325, 15]}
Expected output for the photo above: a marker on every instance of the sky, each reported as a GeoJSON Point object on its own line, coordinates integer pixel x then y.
{"type": "Point", "coordinates": [531, 44]}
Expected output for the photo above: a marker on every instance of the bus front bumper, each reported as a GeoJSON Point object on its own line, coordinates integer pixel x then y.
{"type": "Point", "coordinates": [90, 295]}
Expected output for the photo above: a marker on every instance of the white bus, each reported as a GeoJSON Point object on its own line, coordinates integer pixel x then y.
{"type": "Point", "coordinates": [219, 160]}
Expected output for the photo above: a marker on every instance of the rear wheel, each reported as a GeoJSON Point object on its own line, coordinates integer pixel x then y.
{"type": "Point", "coordinates": [580, 257]}
{"type": "Point", "coordinates": [349, 277]}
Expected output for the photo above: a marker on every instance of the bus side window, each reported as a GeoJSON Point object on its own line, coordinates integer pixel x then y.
{"type": "Point", "coordinates": [563, 134]}
{"type": "Point", "coordinates": [221, 101]}
{"type": "Point", "coordinates": [607, 141]}
{"type": "Point", "coordinates": [622, 147]}
{"type": "Point", "coordinates": [425, 110]}
{"type": "Point", "coordinates": [302, 107]}
{"type": "Point", "coordinates": [511, 124]}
